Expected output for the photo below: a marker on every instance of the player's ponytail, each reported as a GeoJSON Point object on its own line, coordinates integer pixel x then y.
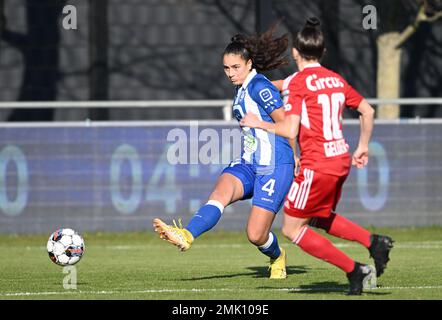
{"type": "Point", "coordinates": [309, 41]}
{"type": "Point", "coordinates": [265, 50]}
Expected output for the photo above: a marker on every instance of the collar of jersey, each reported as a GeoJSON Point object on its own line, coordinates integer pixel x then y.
{"type": "Point", "coordinates": [312, 65]}
{"type": "Point", "coordinates": [249, 78]}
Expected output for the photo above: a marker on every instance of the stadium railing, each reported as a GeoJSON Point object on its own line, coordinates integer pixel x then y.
{"type": "Point", "coordinates": [224, 104]}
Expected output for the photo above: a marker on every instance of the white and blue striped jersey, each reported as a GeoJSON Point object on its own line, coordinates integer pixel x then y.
{"type": "Point", "coordinates": [260, 148]}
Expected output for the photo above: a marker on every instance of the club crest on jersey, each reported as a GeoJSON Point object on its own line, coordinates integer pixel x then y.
{"type": "Point", "coordinates": [265, 95]}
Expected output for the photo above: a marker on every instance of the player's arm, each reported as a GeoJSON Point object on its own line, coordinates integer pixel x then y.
{"type": "Point", "coordinates": [278, 84]}
{"type": "Point", "coordinates": [366, 118]}
{"type": "Point", "coordinates": [287, 128]}
{"type": "Point", "coordinates": [278, 116]}
{"type": "Point", "coordinates": [292, 143]}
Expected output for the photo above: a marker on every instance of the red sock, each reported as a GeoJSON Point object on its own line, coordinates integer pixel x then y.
{"type": "Point", "coordinates": [341, 227]}
{"type": "Point", "coordinates": [320, 247]}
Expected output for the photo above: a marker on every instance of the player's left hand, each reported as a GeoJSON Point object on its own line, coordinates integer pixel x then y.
{"type": "Point", "coordinates": [360, 157]}
{"type": "Point", "coordinates": [250, 120]}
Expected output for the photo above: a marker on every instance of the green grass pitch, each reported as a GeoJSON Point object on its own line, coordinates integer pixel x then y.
{"type": "Point", "coordinates": [220, 265]}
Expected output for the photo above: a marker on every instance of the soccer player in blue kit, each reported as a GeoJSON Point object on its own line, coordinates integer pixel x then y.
{"type": "Point", "coordinates": [265, 170]}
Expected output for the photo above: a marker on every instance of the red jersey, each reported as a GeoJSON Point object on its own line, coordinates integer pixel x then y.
{"type": "Point", "coordinates": [318, 96]}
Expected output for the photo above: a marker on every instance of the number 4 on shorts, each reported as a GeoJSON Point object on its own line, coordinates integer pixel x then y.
{"type": "Point", "coordinates": [269, 187]}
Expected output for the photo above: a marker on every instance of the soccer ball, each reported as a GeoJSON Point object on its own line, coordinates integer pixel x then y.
{"type": "Point", "coordinates": [65, 247]}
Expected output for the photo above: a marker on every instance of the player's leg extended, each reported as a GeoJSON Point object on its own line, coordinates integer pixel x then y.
{"type": "Point", "coordinates": [298, 231]}
{"type": "Point", "coordinates": [379, 246]}
{"type": "Point", "coordinates": [228, 189]}
{"type": "Point", "coordinates": [337, 225]}
{"type": "Point", "coordinates": [313, 195]}
{"type": "Point", "coordinates": [258, 233]}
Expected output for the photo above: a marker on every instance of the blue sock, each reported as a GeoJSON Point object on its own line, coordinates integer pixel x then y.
{"type": "Point", "coordinates": [271, 247]}
{"type": "Point", "coordinates": [205, 218]}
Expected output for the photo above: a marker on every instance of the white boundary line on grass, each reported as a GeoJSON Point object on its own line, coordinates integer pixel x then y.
{"type": "Point", "coordinates": [110, 292]}
{"type": "Point", "coordinates": [405, 245]}
{"type": "Point", "coordinates": [399, 245]}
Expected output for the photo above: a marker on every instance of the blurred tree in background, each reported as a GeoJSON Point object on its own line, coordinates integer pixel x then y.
{"type": "Point", "coordinates": [400, 21]}
{"type": "Point", "coordinates": [157, 50]}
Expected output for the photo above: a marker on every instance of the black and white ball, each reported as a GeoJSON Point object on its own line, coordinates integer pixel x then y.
{"type": "Point", "coordinates": [65, 247]}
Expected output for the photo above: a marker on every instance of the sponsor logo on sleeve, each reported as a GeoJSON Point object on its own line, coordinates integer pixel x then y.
{"type": "Point", "coordinates": [265, 95]}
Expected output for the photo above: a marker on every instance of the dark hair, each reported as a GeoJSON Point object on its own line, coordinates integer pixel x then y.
{"type": "Point", "coordinates": [310, 40]}
{"type": "Point", "coordinates": [264, 50]}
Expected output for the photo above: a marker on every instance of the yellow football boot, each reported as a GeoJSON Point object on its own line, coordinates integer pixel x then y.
{"type": "Point", "coordinates": [176, 235]}
{"type": "Point", "coordinates": [277, 266]}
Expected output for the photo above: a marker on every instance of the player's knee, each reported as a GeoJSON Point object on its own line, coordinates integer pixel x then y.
{"type": "Point", "coordinates": [290, 232]}
{"type": "Point", "coordinates": [256, 237]}
{"type": "Point", "coordinates": [222, 197]}
{"type": "Point", "coordinates": [286, 232]}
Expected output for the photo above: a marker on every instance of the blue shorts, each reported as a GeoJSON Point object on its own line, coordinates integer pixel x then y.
{"type": "Point", "coordinates": [267, 191]}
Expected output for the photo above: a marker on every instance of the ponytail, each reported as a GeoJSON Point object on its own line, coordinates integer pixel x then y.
{"type": "Point", "coordinates": [310, 40]}
{"type": "Point", "coordinates": [265, 50]}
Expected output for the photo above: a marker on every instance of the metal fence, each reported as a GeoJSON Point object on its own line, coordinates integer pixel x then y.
{"type": "Point", "coordinates": [224, 104]}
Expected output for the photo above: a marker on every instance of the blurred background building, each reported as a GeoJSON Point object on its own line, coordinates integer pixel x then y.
{"type": "Point", "coordinates": [171, 50]}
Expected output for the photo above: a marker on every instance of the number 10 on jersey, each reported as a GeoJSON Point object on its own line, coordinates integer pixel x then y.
{"type": "Point", "coordinates": [331, 115]}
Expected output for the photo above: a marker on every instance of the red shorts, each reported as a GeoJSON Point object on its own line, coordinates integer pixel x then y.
{"type": "Point", "coordinates": [313, 194]}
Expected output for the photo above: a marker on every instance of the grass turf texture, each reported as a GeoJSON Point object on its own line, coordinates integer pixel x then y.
{"type": "Point", "coordinates": [220, 265]}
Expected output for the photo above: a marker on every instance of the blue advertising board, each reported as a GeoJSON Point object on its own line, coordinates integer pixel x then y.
{"type": "Point", "coordinates": [118, 177]}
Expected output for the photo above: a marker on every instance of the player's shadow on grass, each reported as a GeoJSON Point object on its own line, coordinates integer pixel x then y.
{"type": "Point", "coordinates": [257, 272]}
{"type": "Point", "coordinates": [327, 287]}
{"type": "Point", "coordinates": [263, 272]}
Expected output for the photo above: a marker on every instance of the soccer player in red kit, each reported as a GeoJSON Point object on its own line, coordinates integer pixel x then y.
{"type": "Point", "coordinates": [314, 115]}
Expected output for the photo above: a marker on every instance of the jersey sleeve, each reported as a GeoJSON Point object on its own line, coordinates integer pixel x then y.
{"type": "Point", "coordinates": [295, 97]}
{"type": "Point", "coordinates": [265, 94]}
{"type": "Point", "coordinates": [352, 97]}
{"type": "Point", "coordinates": [285, 88]}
